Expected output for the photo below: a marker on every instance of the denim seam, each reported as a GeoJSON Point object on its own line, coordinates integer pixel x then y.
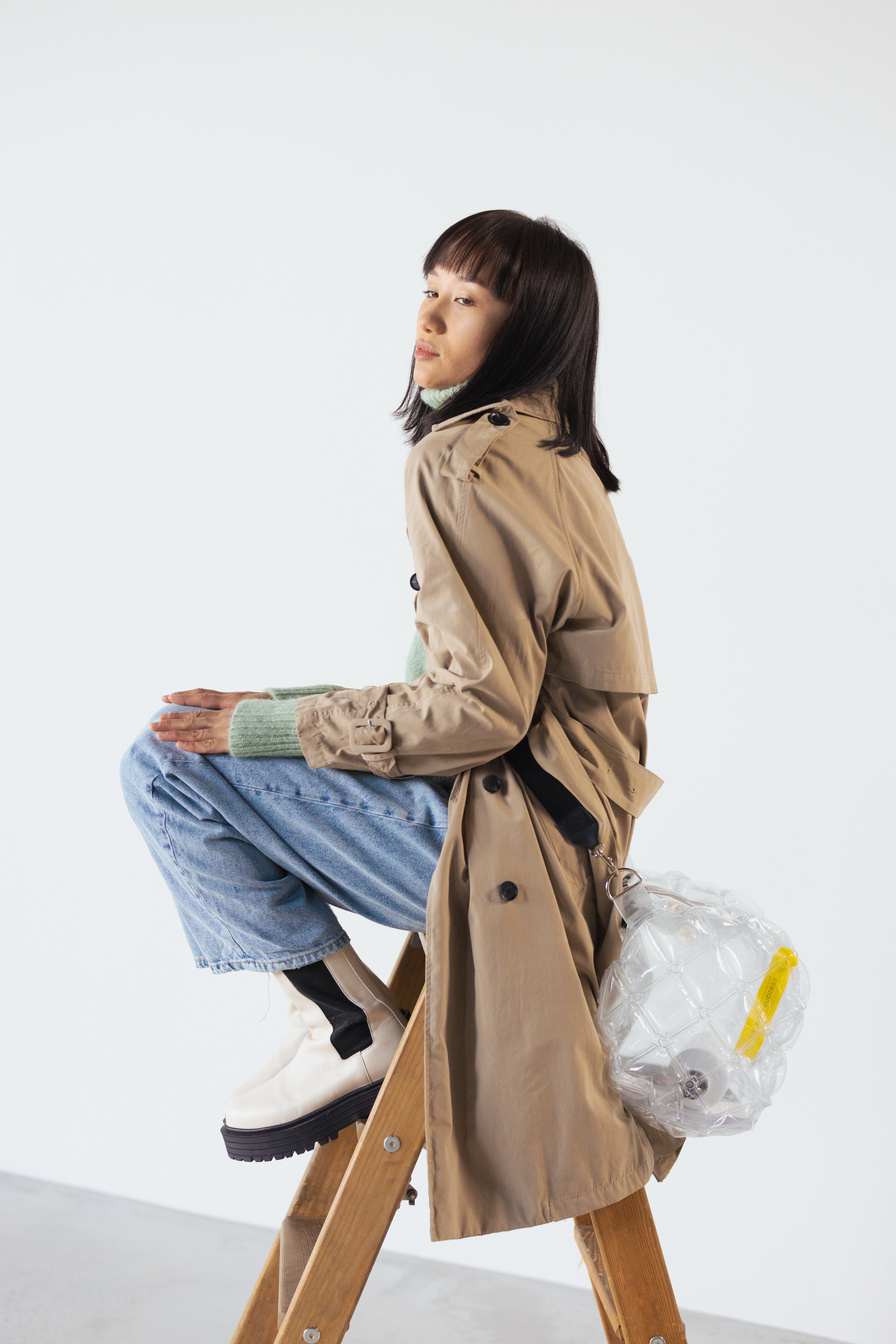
{"type": "Point", "coordinates": [348, 807]}
{"type": "Point", "coordinates": [186, 878]}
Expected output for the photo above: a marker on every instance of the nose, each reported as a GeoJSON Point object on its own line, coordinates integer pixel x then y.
{"type": "Point", "coordinates": [431, 317]}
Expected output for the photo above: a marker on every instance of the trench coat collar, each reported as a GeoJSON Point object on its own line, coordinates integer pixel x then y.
{"type": "Point", "coordinates": [540, 406]}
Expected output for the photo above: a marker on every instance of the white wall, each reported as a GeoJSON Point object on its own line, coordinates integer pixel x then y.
{"type": "Point", "coordinates": [216, 215]}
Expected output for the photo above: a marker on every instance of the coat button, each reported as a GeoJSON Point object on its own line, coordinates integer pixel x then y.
{"type": "Point", "coordinates": [415, 583]}
{"type": "Point", "coordinates": [508, 891]}
{"type": "Point", "coordinates": [498, 418]}
{"type": "Point", "coordinates": [492, 783]}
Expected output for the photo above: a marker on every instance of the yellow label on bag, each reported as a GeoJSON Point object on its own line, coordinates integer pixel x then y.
{"type": "Point", "coordinates": [766, 1002]}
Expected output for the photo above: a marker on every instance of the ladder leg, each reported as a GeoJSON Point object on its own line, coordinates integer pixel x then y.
{"type": "Point", "coordinates": [633, 1262]}
{"type": "Point", "coordinates": [600, 1284]}
{"type": "Point", "coordinates": [308, 1211]}
{"type": "Point", "coordinates": [295, 1240]}
{"type": "Point", "coordinates": [408, 973]}
{"type": "Point", "coordinates": [370, 1193]}
{"type": "Point", "coordinates": [258, 1323]}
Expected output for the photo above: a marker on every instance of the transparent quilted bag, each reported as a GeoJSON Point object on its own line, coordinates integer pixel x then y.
{"type": "Point", "coordinates": [701, 1006]}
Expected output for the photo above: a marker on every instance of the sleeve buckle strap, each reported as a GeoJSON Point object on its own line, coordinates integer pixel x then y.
{"type": "Point", "coordinates": [371, 746]}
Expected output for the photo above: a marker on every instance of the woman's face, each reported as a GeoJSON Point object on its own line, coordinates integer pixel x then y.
{"type": "Point", "coordinates": [455, 326]}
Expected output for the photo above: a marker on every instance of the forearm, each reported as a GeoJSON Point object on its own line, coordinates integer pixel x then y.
{"type": "Point", "coordinates": [429, 728]}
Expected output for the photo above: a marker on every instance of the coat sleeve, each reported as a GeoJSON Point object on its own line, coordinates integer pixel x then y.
{"type": "Point", "coordinates": [493, 562]}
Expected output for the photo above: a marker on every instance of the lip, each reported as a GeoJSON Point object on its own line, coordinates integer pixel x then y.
{"type": "Point", "coordinates": [424, 351]}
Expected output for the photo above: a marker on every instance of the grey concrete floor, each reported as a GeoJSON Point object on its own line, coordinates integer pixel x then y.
{"type": "Point", "coordinates": [86, 1268]}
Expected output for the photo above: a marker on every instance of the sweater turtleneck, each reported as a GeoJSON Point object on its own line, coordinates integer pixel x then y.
{"type": "Point", "coordinates": [434, 397]}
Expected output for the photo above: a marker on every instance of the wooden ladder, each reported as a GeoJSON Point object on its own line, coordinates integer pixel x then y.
{"type": "Point", "coordinates": [351, 1190]}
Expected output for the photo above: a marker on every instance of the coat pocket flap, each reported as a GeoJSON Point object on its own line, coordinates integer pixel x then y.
{"type": "Point", "coordinates": [624, 781]}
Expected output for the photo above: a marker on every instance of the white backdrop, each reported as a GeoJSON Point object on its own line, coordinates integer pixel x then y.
{"type": "Point", "coordinates": [215, 218]}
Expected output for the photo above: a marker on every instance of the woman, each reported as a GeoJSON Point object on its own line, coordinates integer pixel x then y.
{"type": "Point", "coordinates": [265, 810]}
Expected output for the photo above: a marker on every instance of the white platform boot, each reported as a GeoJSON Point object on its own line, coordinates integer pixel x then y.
{"type": "Point", "coordinates": [353, 1027]}
{"type": "Point", "coordinates": [292, 1036]}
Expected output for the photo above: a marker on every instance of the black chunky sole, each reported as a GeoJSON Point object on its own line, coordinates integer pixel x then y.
{"type": "Point", "coordinates": [299, 1136]}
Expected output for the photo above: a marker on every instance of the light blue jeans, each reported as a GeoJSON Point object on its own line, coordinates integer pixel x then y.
{"type": "Point", "coordinates": [257, 851]}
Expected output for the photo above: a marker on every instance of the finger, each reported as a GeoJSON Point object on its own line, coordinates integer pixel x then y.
{"type": "Point", "coordinates": [213, 747]}
{"type": "Point", "coordinates": [196, 738]}
{"type": "Point", "coordinates": [171, 732]}
{"type": "Point", "coordinates": [189, 718]}
{"type": "Point", "coordinates": [196, 697]}
{"type": "Point", "coordinates": [195, 742]}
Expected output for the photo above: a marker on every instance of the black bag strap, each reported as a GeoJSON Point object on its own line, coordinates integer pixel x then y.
{"type": "Point", "coordinates": [575, 822]}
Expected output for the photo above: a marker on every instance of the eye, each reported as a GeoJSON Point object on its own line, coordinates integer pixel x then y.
{"type": "Point", "coordinates": [461, 298]}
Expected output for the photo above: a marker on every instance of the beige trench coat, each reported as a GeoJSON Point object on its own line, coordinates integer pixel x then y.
{"type": "Point", "coordinates": [532, 621]}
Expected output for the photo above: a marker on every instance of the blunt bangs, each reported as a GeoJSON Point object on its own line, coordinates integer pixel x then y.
{"type": "Point", "coordinates": [489, 254]}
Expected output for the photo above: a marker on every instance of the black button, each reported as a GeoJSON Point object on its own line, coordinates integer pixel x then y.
{"type": "Point", "coordinates": [498, 418]}
{"type": "Point", "coordinates": [492, 784]}
{"type": "Point", "coordinates": [415, 583]}
{"type": "Point", "coordinates": [508, 891]}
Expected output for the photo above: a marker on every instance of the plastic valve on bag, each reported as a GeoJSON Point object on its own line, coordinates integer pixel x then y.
{"type": "Point", "coordinates": [700, 1007]}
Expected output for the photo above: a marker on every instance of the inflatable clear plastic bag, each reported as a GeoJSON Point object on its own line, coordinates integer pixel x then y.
{"type": "Point", "coordinates": [701, 1006]}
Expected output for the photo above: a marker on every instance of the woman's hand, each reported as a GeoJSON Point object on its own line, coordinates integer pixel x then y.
{"type": "Point", "coordinates": [206, 730]}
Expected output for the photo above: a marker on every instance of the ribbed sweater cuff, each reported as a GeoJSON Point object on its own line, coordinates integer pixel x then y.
{"type": "Point", "coordinates": [265, 728]}
{"type": "Point", "coordinates": [293, 692]}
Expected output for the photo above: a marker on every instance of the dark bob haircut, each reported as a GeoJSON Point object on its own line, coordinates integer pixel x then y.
{"type": "Point", "coordinates": [548, 342]}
